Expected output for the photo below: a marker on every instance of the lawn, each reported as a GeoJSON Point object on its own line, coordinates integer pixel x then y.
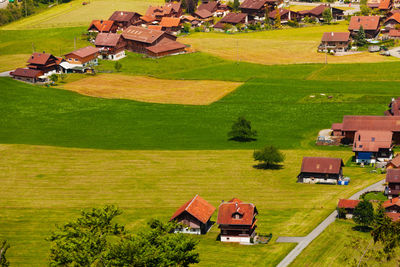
{"type": "Point", "coordinates": [286, 46]}
{"type": "Point", "coordinates": [75, 14]}
{"type": "Point", "coordinates": [43, 186]}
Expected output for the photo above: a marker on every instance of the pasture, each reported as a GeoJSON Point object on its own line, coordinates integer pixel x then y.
{"type": "Point", "coordinates": [43, 186]}
{"type": "Point", "coordinates": [152, 90]}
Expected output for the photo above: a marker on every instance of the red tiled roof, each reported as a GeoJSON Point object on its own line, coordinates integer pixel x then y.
{"type": "Point", "coordinates": [170, 22]}
{"type": "Point", "coordinates": [385, 4]}
{"type": "Point", "coordinates": [29, 73]}
{"type": "Point", "coordinates": [391, 202]}
{"type": "Point", "coordinates": [378, 123]}
{"type": "Point", "coordinates": [337, 126]}
{"type": "Point", "coordinates": [155, 27]}
{"type": "Point", "coordinates": [321, 165]}
{"type": "Point", "coordinates": [335, 37]}
{"type": "Point", "coordinates": [203, 13]}
{"type": "Point", "coordinates": [123, 16]}
{"type": "Point", "coordinates": [367, 22]}
{"type": "Point", "coordinates": [372, 141]}
{"type": "Point", "coordinates": [393, 215]}
{"type": "Point", "coordinates": [210, 6]}
{"type": "Point", "coordinates": [107, 39]}
{"type": "Point", "coordinates": [141, 34]}
{"type": "Point", "coordinates": [226, 211]}
{"type": "Point", "coordinates": [147, 18]}
{"type": "Point", "coordinates": [395, 17]}
{"type": "Point", "coordinates": [348, 203]}
{"type": "Point", "coordinates": [198, 208]}
{"type": "Point", "coordinates": [395, 161]}
{"type": "Point", "coordinates": [40, 58]}
{"type": "Point", "coordinates": [102, 25]}
{"type": "Point", "coordinates": [393, 176]}
{"type": "Point", "coordinates": [166, 46]}
{"type": "Point", "coordinates": [85, 51]}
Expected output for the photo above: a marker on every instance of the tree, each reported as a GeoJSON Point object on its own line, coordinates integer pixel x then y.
{"type": "Point", "coordinates": [62, 76]}
{"type": "Point", "coordinates": [186, 27]}
{"type": "Point", "coordinates": [327, 15]}
{"type": "Point", "coordinates": [341, 213]}
{"type": "Point", "coordinates": [269, 156]}
{"type": "Point", "coordinates": [379, 215]}
{"type": "Point", "coordinates": [267, 15]}
{"type": "Point", "coordinates": [236, 5]}
{"type": "Point", "coordinates": [53, 78]}
{"type": "Point", "coordinates": [364, 213]}
{"type": "Point", "coordinates": [278, 19]}
{"type": "Point", "coordinates": [117, 66]}
{"type": "Point", "coordinates": [365, 10]}
{"type": "Point", "coordinates": [189, 5]}
{"type": "Point", "coordinates": [387, 232]}
{"type": "Point", "coordinates": [241, 131]}
{"type": "Point", "coordinates": [360, 37]}
{"type": "Point", "coordinates": [4, 246]}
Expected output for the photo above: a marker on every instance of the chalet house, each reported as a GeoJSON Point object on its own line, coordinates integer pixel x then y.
{"type": "Point", "coordinates": [392, 205]}
{"type": "Point", "coordinates": [393, 183]}
{"type": "Point", "coordinates": [237, 221]}
{"type": "Point", "coordinates": [394, 163]}
{"type": "Point", "coordinates": [285, 15]}
{"type": "Point", "coordinates": [124, 19]}
{"type": "Point", "coordinates": [317, 12]}
{"type": "Point", "coordinates": [394, 34]}
{"type": "Point", "coordinates": [349, 205]}
{"type": "Point", "coordinates": [194, 216]}
{"type": "Point", "coordinates": [170, 24]}
{"type": "Point", "coordinates": [168, 10]}
{"type": "Point", "coordinates": [256, 8]}
{"type": "Point", "coordinates": [370, 24]}
{"type": "Point", "coordinates": [392, 21]}
{"type": "Point", "coordinates": [80, 60]}
{"type": "Point", "coordinates": [111, 46]}
{"type": "Point", "coordinates": [102, 26]}
{"type": "Point", "coordinates": [47, 63]}
{"type": "Point", "coordinates": [232, 19]}
{"type": "Point", "coordinates": [371, 147]}
{"type": "Point", "coordinates": [27, 75]}
{"type": "Point", "coordinates": [394, 108]}
{"type": "Point", "coordinates": [384, 5]}
{"type": "Point", "coordinates": [211, 6]}
{"type": "Point", "coordinates": [334, 41]}
{"type": "Point", "coordinates": [320, 170]}
{"type": "Point", "coordinates": [165, 48]}
{"type": "Point", "coordinates": [203, 14]}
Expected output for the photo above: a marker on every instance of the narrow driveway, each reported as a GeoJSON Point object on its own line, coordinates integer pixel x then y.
{"type": "Point", "coordinates": [5, 74]}
{"type": "Point", "coordinates": [395, 52]}
{"type": "Point", "coordinates": [303, 242]}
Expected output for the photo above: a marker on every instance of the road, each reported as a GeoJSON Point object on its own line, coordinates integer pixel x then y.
{"type": "Point", "coordinates": [5, 74]}
{"type": "Point", "coordinates": [355, 7]}
{"type": "Point", "coordinates": [303, 242]}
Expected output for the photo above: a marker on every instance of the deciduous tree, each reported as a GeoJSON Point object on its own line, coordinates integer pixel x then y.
{"type": "Point", "coordinates": [269, 156]}
{"type": "Point", "coordinates": [327, 15]}
{"type": "Point", "coordinates": [241, 131]}
{"type": "Point", "coordinates": [364, 213]}
{"type": "Point", "coordinates": [117, 66]}
{"type": "Point", "coordinates": [4, 246]}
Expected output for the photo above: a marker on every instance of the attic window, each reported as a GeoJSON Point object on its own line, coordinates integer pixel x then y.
{"type": "Point", "coordinates": [373, 139]}
{"type": "Point", "coordinates": [237, 215]}
{"type": "Point", "coordinates": [360, 146]}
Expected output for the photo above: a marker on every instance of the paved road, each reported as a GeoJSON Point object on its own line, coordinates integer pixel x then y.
{"type": "Point", "coordinates": [5, 74]}
{"type": "Point", "coordinates": [303, 242]}
{"type": "Point", "coordinates": [355, 7]}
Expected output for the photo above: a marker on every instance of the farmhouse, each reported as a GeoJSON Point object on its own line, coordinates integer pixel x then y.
{"type": "Point", "coordinates": [124, 19]}
{"type": "Point", "coordinates": [392, 21]}
{"type": "Point", "coordinates": [194, 216]}
{"type": "Point", "coordinates": [256, 8]}
{"type": "Point", "coordinates": [110, 45]}
{"type": "Point", "coordinates": [164, 48]}
{"type": "Point", "coordinates": [203, 14]}
{"type": "Point", "coordinates": [170, 24]}
{"type": "Point", "coordinates": [80, 60]}
{"type": "Point", "coordinates": [138, 38]}
{"type": "Point", "coordinates": [285, 15]}
{"type": "Point", "coordinates": [47, 63]}
{"type": "Point", "coordinates": [27, 75]}
{"type": "Point", "coordinates": [232, 19]}
{"type": "Point", "coordinates": [168, 10]}
{"type": "Point", "coordinates": [334, 41]}
{"type": "Point", "coordinates": [102, 26]}
{"type": "Point", "coordinates": [383, 5]}
{"type": "Point", "coordinates": [392, 205]}
{"type": "Point", "coordinates": [317, 12]}
{"type": "Point", "coordinates": [320, 170]}
{"type": "Point", "coordinates": [372, 146]}
{"type": "Point", "coordinates": [349, 205]}
{"type": "Point", "coordinates": [370, 24]}
{"type": "Point", "coordinates": [211, 6]}
{"type": "Point", "coordinates": [237, 221]}
{"type": "Point", "coordinates": [393, 183]}
{"type": "Point", "coordinates": [394, 163]}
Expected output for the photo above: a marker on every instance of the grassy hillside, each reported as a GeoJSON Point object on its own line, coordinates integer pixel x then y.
{"type": "Point", "coordinates": [44, 186]}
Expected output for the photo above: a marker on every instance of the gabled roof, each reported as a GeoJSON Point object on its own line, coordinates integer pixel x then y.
{"type": "Point", "coordinates": [385, 4]}
{"type": "Point", "coordinates": [102, 25]}
{"type": "Point", "coordinates": [335, 37]}
{"type": "Point", "coordinates": [123, 16]}
{"type": "Point", "coordinates": [107, 39]}
{"type": "Point", "coordinates": [378, 123]}
{"type": "Point", "coordinates": [348, 203]}
{"type": "Point", "coordinates": [198, 208]}
{"type": "Point", "coordinates": [253, 4]}
{"type": "Point", "coordinates": [395, 161]}
{"type": "Point", "coordinates": [367, 22]}
{"type": "Point", "coordinates": [84, 52]}
{"type": "Point", "coordinates": [337, 126]}
{"type": "Point", "coordinates": [170, 22]}
{"type": "Point", "coordinates": [282, 11]}
{"type": "Point", "coordinates": [393, 215]}
{"type": "Point", "coordinates": [233, 18]}
{"type": "Point", "coordinates": [227, 210]}
{"type": "Point", "coordinates": [203, 13]}
{"type": "Point", "coordinates": [165, 47]}
{"type": "Point", "coordinates": [40, 58]}
{"type": "Point", "coordinates": [155, 27]}
{"type": "Point", "coordinates": [393, 176]}
{"type": "Point", "coordinates": [141, 34]}
{"type": "Point", "coordinates": [321, 165]}
{"type": "Point", "coordinates": [395, 17]}
{"type": "Point", "coordinates": [394, 33]}
{"type": "Point", "coordinates": [148, 18]}
{"type": "Point", "coordinates": [391, 202]}
{"type": "Point", "coordinates": [372, 141]}
{"type": "Point", "coordinates": [318, 10]}
{"type": "Point", "coordinates": [29, 73]}
{"type": "Point", "coordinates": [210, 6]}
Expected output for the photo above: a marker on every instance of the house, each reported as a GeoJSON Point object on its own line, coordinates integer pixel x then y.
{"type": "Point", "coordinates": [138, 38]}
{"type": "Point", "coordinates": [370, 24]}
{"type": "Point", "coordinates": [385, 5]}
{"type": "Point", "coordinates": [334, 41]}
{"type": "Point", "coordinates": [394, 34]}
{"type": "Point", "coordinates": [47, 63]}
{"type": "Point", "coordinates": [170, 24]}
{"type": "Point", "coordinates": [392, 205]}
{"type": "Point", "coordinates": [392, 21]}
{"type": "Point", "coordinates": [317, 12]}
{"type": "Point", "coordinates": [165, 48]}
{"type": "Point", "coordinates": [394, 108]}
{"type": "Point", "coordinates": [371, 147]}
{"type": "Point", "coordinates": [211, 6]}
{"type": "Point", "coordinates": [393, 183]}
{"type": "Point", "coordinates": [349, 205]}
{"type": "Point", "coordinates": [168, 10]}
{"type": "Point", "coordinates": [320, 170]}
{"type": "Point", "coordinates": [111, 46]}
{"type": "Point", "coordinates": [190, 19]}
{"type": "Point", "coordinates": [80, 60]}
{"type": "Point", "coordinates": [102, 26]}
{"type": "Point", "coordinates": [232, 19]}
{"type": "Point", "coordinates": [256, 8]}
{"type": "Point", "coordinates": [203, 14]}
{"type": "Point", "coordinates": [394, 163]}
{"type": "Point", "coordinates": [285, 15]}
{"type": "Point", "coordinates": [124, 19]}
{"type": "Point", "coordinates": [237, 221]}
{"type": "Point", "coordinates": [194, 216]}
{"type": "Point", "coordinates": [27, 75]}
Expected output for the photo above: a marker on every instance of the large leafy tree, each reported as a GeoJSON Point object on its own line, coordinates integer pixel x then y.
{"type": "Point", "coordinates": [364, 213]}
{"type": "Point", "coordinates": [269, 156]}
{"type": "Point", "coordinates": [327, 15]}
{"type": "Point", "coordinates": [241, 131]}
{"type": "Point", "coordinates": [4, 246]}
{"type": "Point", "coordinates": [388, 233]}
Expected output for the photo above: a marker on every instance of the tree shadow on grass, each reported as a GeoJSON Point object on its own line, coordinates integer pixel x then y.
{"type": "Point", "coordinates": [242, 140]}
{"type": "Point", "coordinates": [361, 228]}
{"type": "Point", "coordinates": [263, 166]}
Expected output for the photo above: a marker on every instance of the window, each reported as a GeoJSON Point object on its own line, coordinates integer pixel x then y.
{"type": "Point", "coordinates": [76, 59]}
{"type": "Point", "coordinates": [373, 139]}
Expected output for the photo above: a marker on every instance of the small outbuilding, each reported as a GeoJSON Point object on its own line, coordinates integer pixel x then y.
{"type": "Point", "coordinates": [27, 75]}
{"type": "Point", "coordinates": [349, 205]}
{"type": "Point", "coordinates": [393, 183]}
{"type": "Point", "coordinates": [320, 170]}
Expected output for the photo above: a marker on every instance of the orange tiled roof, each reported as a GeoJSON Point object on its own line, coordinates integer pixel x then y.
{"type": "Point", "coordinates": [198, 208]}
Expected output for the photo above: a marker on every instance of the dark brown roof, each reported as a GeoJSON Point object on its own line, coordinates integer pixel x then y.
{"type": "Point", "coordinates": [321, 165]}
{"type": "Point", "coordinates": [40, 58]}
{"type": "Point", "coordinates": [198, 208]}
{"type": "Point", "coordinates": [210, 6]}
{"type": "Point", "coordinates": [393, 176]}
{"type": "Point", "coordinates": [348, 203]}
{"type": "Point", "coordinates": [107, 39]}
{"type": "Point", "coordinates": [102, 25]}
{"type": "Point", "coordinates": [335, 37]}
{"type": "Point", "coordinates": [282, 11]}
{"type": "Point", "coordinates": [141, 34]}
{"type": "Point", "coordinates": [318, 10]}
{"type": "Point", "coordinates": [372, 141]}
{"type": "Point", "coordinates": [233, 18]}
{"type": "Point", "coordinates": [367, 22]}
{"type": "Point", "coordinates": [203, 13]}
{"type": "Point", "coordinates": [85, 51]}
{"type": "Point", "coordinates": [30, 73]}
{"type": "Point", "coordinates": [123, 16]}
{"type": "Point", "coordinates": [165, 47]}
{"type": "Point", "coordinates": [253, 4]}
{"type": "Point", "coordinates": [227, 210]}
